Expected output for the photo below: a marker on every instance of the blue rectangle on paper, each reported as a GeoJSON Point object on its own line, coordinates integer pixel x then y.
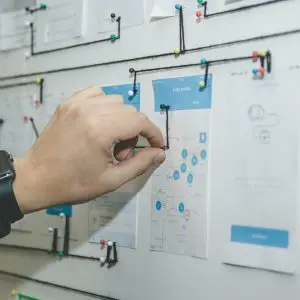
{"type": "Point", "coordinates": [260, 236]}
{"type": "Point", "coordinates": [57, 210]}
{"type": "Point", "coordinates": [183, 93]}
{"type": "Point", "coordinates": [122, 90]}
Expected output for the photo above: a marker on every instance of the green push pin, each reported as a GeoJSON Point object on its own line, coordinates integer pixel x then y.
{"type": "Point", "coordinates": [200, 1]}
{"type": "Point", "coordinates": [43, 6]}
{"type": "Point", "coordinates": [113, 37]}
{"type": "Point", "coordinates": [60, 254]}
{"type": "Point", "coordinates": [203, 61]}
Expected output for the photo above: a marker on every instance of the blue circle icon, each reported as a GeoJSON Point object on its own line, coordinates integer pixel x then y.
{"type": "Point", "coordinates": [190, 178]}
{"type": "Point", "coordinates": [203, 154]}
{"type": "Point", "coordinates": [183, 168]}
{"type": "Point", "coordinates": [176, 175]}
{"type": "Point", "coordinates": [181, 207]}
{"type": "Point", "coordinates": [184, 153]}
{"type": "Point", "coordinates": [158, 205]}
{"type": "Point", "coordinates": [194, 160]}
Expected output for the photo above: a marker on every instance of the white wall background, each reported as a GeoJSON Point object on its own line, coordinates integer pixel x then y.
{"type": "Point", "coordinates": [142, 274]}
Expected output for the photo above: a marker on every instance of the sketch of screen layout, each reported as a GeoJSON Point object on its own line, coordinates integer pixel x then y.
{"type": "Point", "coordinates": [263, 123]}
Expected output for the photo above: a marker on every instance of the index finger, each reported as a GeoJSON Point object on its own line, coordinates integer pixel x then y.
{"type": "Point", "coordinates": [152, 133]}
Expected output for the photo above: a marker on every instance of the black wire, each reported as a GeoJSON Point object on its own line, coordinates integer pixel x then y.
{"type": "Point", "coordinates": [66, 236]}
{"type": "Point", "coordinates": [34, 127]}
{"type": "Point", "coordinates": [54, 241]}
{"type": "Point", "coordinates": [54, 250]}
{"type": "Point", "coordinates": [35, 53]}
{"type": "Point", "coordinates": [58, 286]}
{"type": "Point", "coordinates": [182, 31]}
{"type": "Point", "coordinates": [206, 74]}
{"type": "Point", "coordinates": [202, 48]}
{"type": "Point", "coordinates": [17, 84]}
{"type": "Point", "coordinates": [225, 12]}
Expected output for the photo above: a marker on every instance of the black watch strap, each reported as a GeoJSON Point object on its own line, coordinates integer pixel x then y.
{"type": "Point", "coordinates": [9, 208]}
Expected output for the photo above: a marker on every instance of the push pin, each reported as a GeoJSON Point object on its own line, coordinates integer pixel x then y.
{"type": "Point", "coordinates": [200, 2]}
{"type": "Point", "coordinates": [27, 23]}
{"type": "Point", "coordinates": [61, 215]}
{"type": "Point", "coordinates": [43, 6]}
{"type": "Point", "coordinates": [113, 16]}
{"type": "Point", "coordinates": [198, 14]}
{"type": "Point", "coordinates": [109, 243]}
{"type": "Point", "coordinates": [40, 80]}
{"type": "Point", "coordinates": [262, 53]}
{"type": "Point", "coordinates": [255, 56]}
{"type": "Point", "coordinates": [178, 6]}
{"type": "Point", "coordinates": [131, 70]}
{"type": "Point", "coordinates": [25, 119]}
{"type": "Point", "coordinates": [50, 229]}
{"type": "Point", "coordinates": [203, 62]}
{"type": "Point", "coordinates": [202, 84]}
{"type": "Point", "coordinates": [102, 243]}
{"type": "Point", "coordinates": [27, 55]}
{"type": "Point", "coordinates": [113, 37]}
{"type": "Point", "coordinates": [176, 52]}
{"type": "Point", "coordinates": [254, 72]}
{"type": "Point", "coordinates": [131, 93]}
{"type": "Point", "coordinates": [261, 71]}
{"type": "Point", "coordinates": [102, 260]}
{"type": "Point", "coordinates": [1, 121]}
{"type": "Point", "coordinates": [13, 293]}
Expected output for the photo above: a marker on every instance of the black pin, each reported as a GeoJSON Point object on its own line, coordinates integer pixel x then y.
{"type": "Point", "coordinates": [1, 122]}
{"type": "Point", "coordinates": [166, 108]}
{"type": "Point", "coordinates": [34, 127]}
{"type": "Point", "coordinates": [54, 241]}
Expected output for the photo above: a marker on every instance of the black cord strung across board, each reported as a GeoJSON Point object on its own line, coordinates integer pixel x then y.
{"type": "Point", "coordinates": [113, 37]}
{"type": "Point", "coordinates": [57, 286]}
{"type": "Point", "coordinates": [154, 56]}
{"type": "Point", "coordinates": [39, 82]}
{"type": "Point", "coordinates": [206, 64]}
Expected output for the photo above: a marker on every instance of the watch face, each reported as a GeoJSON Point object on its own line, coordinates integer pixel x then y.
{"type": "Point", "coordinates": [6, 168]}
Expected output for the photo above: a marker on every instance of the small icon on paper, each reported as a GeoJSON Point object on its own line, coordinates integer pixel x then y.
{"type": "Point", "coordinates": [263, 123]}
{"type": "Point", "coordinates": [203, 137]}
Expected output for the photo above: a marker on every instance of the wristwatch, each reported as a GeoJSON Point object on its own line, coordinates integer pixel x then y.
{"type": "Point", "coordinates": [9, 208]}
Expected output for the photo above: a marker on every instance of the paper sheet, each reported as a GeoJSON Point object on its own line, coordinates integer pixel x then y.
{"type": "Point", "coordinates": [98, 15]}
{"type": "Point", "coordinates": [180, 185]}
{"type": "Point", "coordinates": [61, 21]}
{"type": "Point", "coordinates": [261, 201]}
{"type": "Point", "coordinates": [114, 216]}
{"type": "Point", "coordinates": [17, 136]}
{"type": "Point", "coordinates": [14, 33]}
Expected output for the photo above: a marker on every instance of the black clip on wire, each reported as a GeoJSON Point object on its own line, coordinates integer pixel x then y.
{"type": "Point", "coordinates": [166, 108]}
{"type": "Point", "coordinates": [134, 89]}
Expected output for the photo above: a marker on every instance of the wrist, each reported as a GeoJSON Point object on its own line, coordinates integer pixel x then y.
{"type": "Point", "coordinates": [27, 188]}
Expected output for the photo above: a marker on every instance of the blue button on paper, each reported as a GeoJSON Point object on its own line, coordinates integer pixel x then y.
{"type": "Point", "coordinates": [267, 237]}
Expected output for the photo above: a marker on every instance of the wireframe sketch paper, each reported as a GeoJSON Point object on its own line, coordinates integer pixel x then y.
{"type": "Point", "coordinates": [14, 32]}
{"type": "Point", "coordinates": [180, 185]}
{"type": "Point", "coordinates": [260, 214]}
{"type": "Point", "coordinates": [61, 21]}
{"type": "Point", "coordinates": [114, 216]}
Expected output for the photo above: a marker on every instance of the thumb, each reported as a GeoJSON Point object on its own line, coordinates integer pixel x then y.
{"type": "Point", "coordinates": [138, 164]}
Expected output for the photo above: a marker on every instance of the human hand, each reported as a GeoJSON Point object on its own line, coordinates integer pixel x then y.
{"type": "Point", "coordinates": [73, 161]}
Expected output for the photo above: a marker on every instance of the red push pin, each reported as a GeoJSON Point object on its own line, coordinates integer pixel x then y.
{"type": "Point", "coordinates": [255, 56]}
{"type": "Point", "coordinates": [198, 14]}
{"type": "Point", "coordinates": [25, 119]}
{"type": "Point", "coordinates": [102, 243]}
{"type": "Point", "coordinates": [261, 71]}
{"type": "Point", "coordinates": [36, 103]}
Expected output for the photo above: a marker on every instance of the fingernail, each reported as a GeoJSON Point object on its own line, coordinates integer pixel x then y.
{"type": "Point", "coordinates": [159, 159]}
